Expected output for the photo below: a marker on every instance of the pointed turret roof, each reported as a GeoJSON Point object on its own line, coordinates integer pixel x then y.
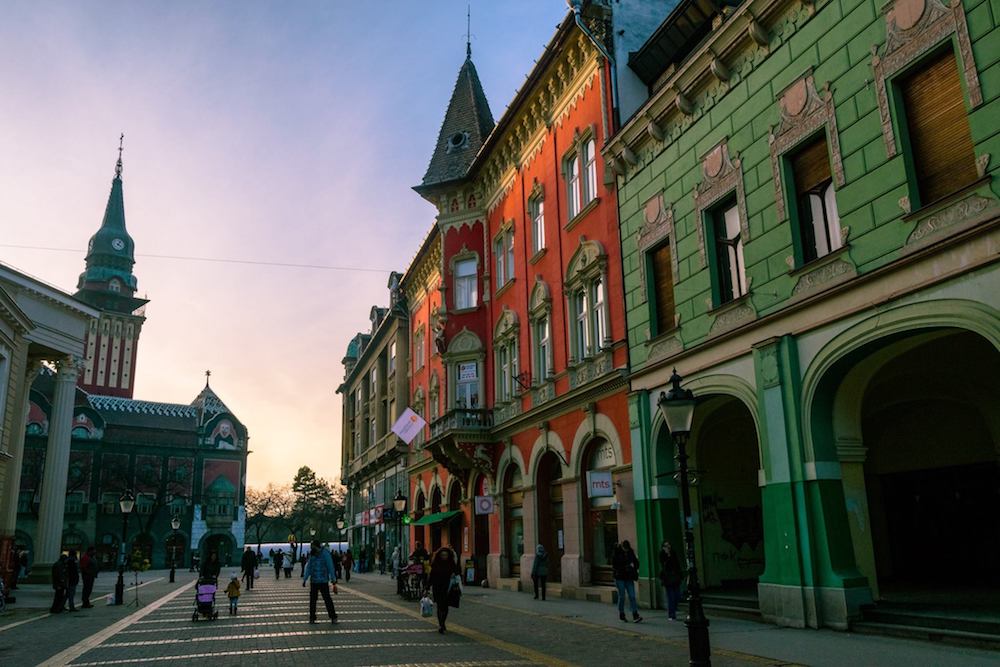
{"type": "Point", "coordinates": [108, 281]}
{"type": "Point", "coordinates": [467, 123]}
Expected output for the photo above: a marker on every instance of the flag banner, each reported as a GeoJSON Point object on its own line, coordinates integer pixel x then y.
{"type": "Point", "coordinates": [408, 426]}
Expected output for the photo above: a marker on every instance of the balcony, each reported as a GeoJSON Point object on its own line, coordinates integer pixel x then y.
{"type": "Point", "coordinates": [386, 446]}
{"type": "Point", "coordinates": [464, 421]}
{"type": "Point", "coordinates": [462, 439]}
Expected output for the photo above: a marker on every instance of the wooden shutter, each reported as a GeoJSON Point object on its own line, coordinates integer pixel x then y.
{"type": "Point", "coordinates": [663, 288]}
{"type": "Point", "coordinates": [811, 165]}
{"type": "Point", "coordinates": [938, 128]}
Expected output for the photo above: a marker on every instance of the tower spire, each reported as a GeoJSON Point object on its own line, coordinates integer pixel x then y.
{"type": "Point", "coordinates": [468, 30]}
{"type": "Point", "coordinates": [118, 165]}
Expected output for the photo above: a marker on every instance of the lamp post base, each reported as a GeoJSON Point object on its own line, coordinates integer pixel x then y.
{"type": "Point", "coordinates": [120, 587]}
{"type": "Point", "coordinates": [173, 573]}
{"type": "Point", "coordinates": [698, 643]}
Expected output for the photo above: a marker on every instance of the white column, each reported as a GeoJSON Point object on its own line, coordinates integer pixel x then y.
{"type": "Point", "coordinates": [53, 496]}
{"type": "Point", "coordinates": [8, 503]}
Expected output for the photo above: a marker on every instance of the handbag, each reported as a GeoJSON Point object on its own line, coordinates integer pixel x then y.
{"type": "Point", "coordinates": [455, 591]}
{"type": "Point", "coordinates": [426, 606]}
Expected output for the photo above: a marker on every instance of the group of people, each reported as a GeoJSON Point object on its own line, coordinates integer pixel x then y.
{"type": "Point", "coordinates": [67, 573]}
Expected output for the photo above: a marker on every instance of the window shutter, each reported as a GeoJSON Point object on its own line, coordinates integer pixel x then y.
{"type": "Point", "coordinates": [811, 165]}
{"type": "Point", "coordinates": [943, 156]}
{"type": "Point", "coordinates": [663, 288]}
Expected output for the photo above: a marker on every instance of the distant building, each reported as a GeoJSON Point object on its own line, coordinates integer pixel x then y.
{"type": "Point", "coordinates": [178, 459]}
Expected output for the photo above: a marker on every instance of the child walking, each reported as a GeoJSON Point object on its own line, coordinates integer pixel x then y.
{"type": "Point", "coordinates": [233, 593]}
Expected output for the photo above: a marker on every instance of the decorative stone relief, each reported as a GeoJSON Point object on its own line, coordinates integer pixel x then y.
{"type": "Point", "coordinates": [770, 366]}
{"type": "Point", "coordinates": [465, 341]}
{"type": "Point", "coordinates": [658, 227]}
{"type": "Point", "coordinates": [590, 369]}
{"type": "Point", "coordinates": [664, 347]}
{"type": "Point", "coordinates": [732, 317]}
{"type": "Point", "coordinates": [823, 277]}
{"type": "Point", "coordinates": [544, 393]}
{"type": "Point", "coordinates": [970, 210]}
{"type": "Point", "coordinates": [722, 174]}
{"type": "Point", "coordinates": [914, 27]}
{"type": "Point", "coordinates": [803, 112]}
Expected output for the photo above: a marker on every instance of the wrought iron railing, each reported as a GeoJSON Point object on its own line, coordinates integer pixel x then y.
{"type": "Point", "coordinates": [462, 419]}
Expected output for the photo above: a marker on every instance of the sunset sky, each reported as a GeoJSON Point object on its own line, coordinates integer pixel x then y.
{"type": "Point", "coordinates": [261, 131]}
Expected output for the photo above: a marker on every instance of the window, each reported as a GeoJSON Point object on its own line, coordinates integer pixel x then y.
{"type": "Point", "coordinates": [536, 209]}
{"type": "Point", "coordinates": [109, 503]}
{"type": "Point", "coordinates": [507, 370]}
{"type": "Point", "coordinates": [25, 498]}
{"type": "Point", "coordinates": [467, 385]}
{"type": "Point", "coordinates": [581, 177]}
{"type": "Point", "coordinates": [600, 324]}
{"type": "Point", "coordinates": [74, 502]}
{"type": "Point", "coordinates": [728, 267]}
{"type": "Point", "coordinates": [542, 346]}
{"type": "Point", "coordinates": [661, 268]}
{"type": "Point", "coordinates": [581, 339]}
{"type": "Point", "coordinates": [466, 294]}
{"type": "Point", "coordinates": [503, 252]}
{"type": "Point", "coordinates": [937, 128]}
{"type": "Point", "coordinates": [816, 206]}
{"type": "Point", "coordinates": [372, 381]}
{"type": "Point", "coordinates": [114, 285]}
{"type": "Point", "coordinates": [371, 432]}
{"type": "Point", "coordinates": [418, 349]}
{"type": "Point", "coordinates": [144, 503]}
{"type": "Point", "coordinates": [392, 357]}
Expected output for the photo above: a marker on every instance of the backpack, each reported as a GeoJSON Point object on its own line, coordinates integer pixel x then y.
{"type": "Point", "coordinates": [59, 573]}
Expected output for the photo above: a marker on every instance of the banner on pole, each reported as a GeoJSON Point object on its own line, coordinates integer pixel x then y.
{"type": "Point", "coordinates": [408, 426]}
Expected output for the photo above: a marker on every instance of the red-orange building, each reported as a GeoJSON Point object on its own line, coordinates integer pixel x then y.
{"type": "Point", "coordinates": [516, 304]}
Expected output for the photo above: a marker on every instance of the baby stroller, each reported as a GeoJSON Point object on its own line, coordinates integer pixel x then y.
{"type": "Point", "coordinates": [204, 599]}
{"type": "Point", "coordinates": [413, 581]}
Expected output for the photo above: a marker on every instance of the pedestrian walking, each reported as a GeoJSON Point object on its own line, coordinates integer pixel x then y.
{"type": "Point", "coordinates": [363, 560]}
{"type": "Point", "coordinates": [288, 562]}
{"type": "Point", "coordinates": [670, 577]}
{"type": "Point", "coordinates": [380, 559]}
{"type": "Point", "coordinates": [338, 563]}
{"type": "Point", "coordinates": [540, 570]}
{"type": "Point", "coordinates": [319, 571]}
{"type": "Point", "coordinates": [89, 569]}
{"type": "Point", "coordinates": [348, 564]}
{"type": "Point", "coordinates": [397, 568]}
{"type": "Point", "coordinates": [23, 572]}
{"type": "Point", "coordinates": [211, 568]}
{"type": "Point", "coordinates": [248, 563]}
{"type": "Point", "coordinates": [303, 559]}
{"type": "Point", "coordinates": [625, 567]}
{"type": "Point", "coordinates": [444, 567]}
{"type": "Point", "coordinates": [72, 580]}
{"type": "Point", "coordinates": [233, 593]}
{"type": "Point", "coordinates": [58, 585]}
{"type": "Point", "coordinates": [279, 559]}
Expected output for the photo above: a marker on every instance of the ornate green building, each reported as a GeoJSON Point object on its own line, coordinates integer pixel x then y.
{"type": "Point", "coordinates": [809, 214]}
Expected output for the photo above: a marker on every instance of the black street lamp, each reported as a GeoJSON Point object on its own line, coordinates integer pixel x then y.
{"type": "Point", "coordinates": [399, 505]}
{"type": "Point", "coordinates": [677, 408]}
{"type": "Point", "coordinates": [175, 523]}
{"type": "Point", "coordinates": [340, 530]}
{"type": "Point", "coordinates": [126, 503]}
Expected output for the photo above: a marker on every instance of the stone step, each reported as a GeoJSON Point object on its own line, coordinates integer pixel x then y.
{"type": "Point", "coordinates": [933, 619]}
{"type": "Point", "coordinates": [960, 637]}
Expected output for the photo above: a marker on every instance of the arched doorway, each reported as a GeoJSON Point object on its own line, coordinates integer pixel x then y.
{"type": "Point", "coordinates": [74, 540]}
{"type": "Point", "coordinates": [436, 527]}
{"type": "Point", "coordinates": [418, 512]}
{"type": "Point", "coordinates": [726, 460]}
{"type": "Point", "coordinates": [480, 529]}
{"type": "Point", "coordinates": [174, 548]}
{"type": "Point", "coordinates": [549, 491]}
{"type": "Point", "coordinates": [457, 522]}
{"type": "Point", "coordinates": [601, 522]}
{"type": "Point", "coordinates": [513, 507]}
{"type": "Point", "coordinates": [931, 436]}
{"type": "Point", "coordinates": [220, 543]}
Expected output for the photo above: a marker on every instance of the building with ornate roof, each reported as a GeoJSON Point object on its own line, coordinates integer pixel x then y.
{"type": "Point", "coordinates": [178, 459]}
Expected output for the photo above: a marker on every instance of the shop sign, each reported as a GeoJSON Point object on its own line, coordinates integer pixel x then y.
{"type": "Point", "coordinates": [599, 484]}
{"type": "Point", "coordinates": [377, 513]}
{"type": "Point", "coordinates": [467, 371]}
{"type": "Point", "coordinates": [484, 505]}
{"type": "Point", "coordinates": [365, 518]}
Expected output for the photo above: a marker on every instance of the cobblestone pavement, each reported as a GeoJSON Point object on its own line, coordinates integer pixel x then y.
{"type": "Point", "coordinates": [377, 628]}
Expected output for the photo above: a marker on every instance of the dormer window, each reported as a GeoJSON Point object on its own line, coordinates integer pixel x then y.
{"type": "Point", "coordinates": [458, 141]}
{"type": "Point", "coordinates": [114, 285]}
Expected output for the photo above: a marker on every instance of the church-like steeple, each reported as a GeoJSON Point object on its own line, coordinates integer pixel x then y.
{"type": "Point", "coordinates": [466, 125]}
{"type": "Point", "coordinates": [108, 282]}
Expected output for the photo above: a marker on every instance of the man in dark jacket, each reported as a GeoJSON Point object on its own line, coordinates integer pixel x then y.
{"type": "Point", "coordinates": [626, 573]}
{"type": "Point", "coordinates": [248, 563]}
{"type": "Point", "coordinates": [72, 579]}
{"type": "Point", "coordinates": [88, 571]}
{"type": "Point", "coordinates": [279, 559]}
{"type": "Point", "coordinates": [59, 585]}
{"type": "Point", "coordinates": [319, 570]}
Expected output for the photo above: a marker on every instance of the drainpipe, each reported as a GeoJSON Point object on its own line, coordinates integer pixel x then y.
{"type": "Point", "coordinates": [576, 6]}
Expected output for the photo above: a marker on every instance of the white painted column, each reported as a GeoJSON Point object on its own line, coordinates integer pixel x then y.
{"type": "Point", "coordinates": [8, 503]}
{"type": "Point", "coordinates": [53, 496]}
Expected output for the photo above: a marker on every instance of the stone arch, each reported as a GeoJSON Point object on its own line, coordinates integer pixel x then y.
{"type": "Point", "coordinates": [452, 481]}
{"type": "Point", "coordinates": [935, 314]}
{"type": "Point", "coordinates": [541, 297]}
{"type": "Point", "coordinates": [586, 255]}
{"type": "Point", "coordinates": [593, 426]}
{"type": "Point", "coordinates": [539, 448]}
{"type": "Point", "coordinates": [465, 341]}
{"type": "Point", "coordinates": [507, 324]}
{"type": "Point", "coordinates": [511, 455]}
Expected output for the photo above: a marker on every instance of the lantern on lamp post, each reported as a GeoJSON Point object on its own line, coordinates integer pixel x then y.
{"type": "Point", "coordinates": [175, 523]}
{"type": "Point", "coordinates": [677, 408]}
{"type": "Point", "coordinates": [126, 503]}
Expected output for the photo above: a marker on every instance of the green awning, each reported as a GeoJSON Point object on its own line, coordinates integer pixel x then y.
{"type": "Point", "coordinates": [434, 518]}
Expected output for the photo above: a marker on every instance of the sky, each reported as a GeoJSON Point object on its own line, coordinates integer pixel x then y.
{"type": "Point", "coordinates": [261, 131]}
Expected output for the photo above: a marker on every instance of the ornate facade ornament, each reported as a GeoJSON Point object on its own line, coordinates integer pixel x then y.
{"type": "Point", "coordinates": [465, 341]}
{"type": "Point", "coordinates": [803, 111]}
{"type": "Point", "coordinates": [914, 27]}
{"type": "Point", "coordinates": [665, 347]}
{"type": "Point", "coordinates": [732, 317]}
{"type": "Point", "coordinates": [657, 228]}
{"type": "Point", "coordinates": [968, 211]}
{"type": "Point", "coordinates": [823, 277]}
{"type": "Point", "coordinates": [721, 176]}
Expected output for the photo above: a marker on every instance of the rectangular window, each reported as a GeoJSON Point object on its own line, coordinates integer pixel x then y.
{"type": "Point", "coordinates": [509, 245]}
{"type": "Point", "coordinates": [937, 128]}
{"type": "Point", "coordinates": [503, 252]}
{"type": "Point", "coordinates": [662, 271]}
{"type": "Point", "coordinates": [74, 502]}
{"type": "Point", "coordinates": [144, 503]}
{"type": "Point", "coordinates": [581, 339]}
{"type": "Point", "coordinates": [729, 269]}
{"type": "Point", "coordinates": [573, 185]}
{"type": "Point", "coordinates": [816, 204]}
{"type": "Point", "coordinates": [418, 350]}
{"type": "Point", "coordinates": [392, 357]}
{"type": "Point", "coordinates": [467, 385]}
{"type": "Point", "coordinates": [109, 503]}
{"type": "Point", "coordinates": [536, 209]}
{"type": "Point", "coordinates": [503, 377]}
{"type": "Point", "coordinates": [600, 322]}
{"type": "Point", "coordinates": [499, 257]}
{"type": "Point", "coordinates": [542, 337]}
{"type": "Point", "coordinates": [590, 170]}
{"type": "Point", "coordinates": [466, 294]}
{"type": "Point", "coordinates": [372, 381]}
{"type": "Point", "coordinates": [433, 408]}
{"type": "Point", "coordinates": [371, 432]}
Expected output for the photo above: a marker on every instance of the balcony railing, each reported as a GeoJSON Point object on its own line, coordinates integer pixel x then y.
{"type": "Point", "coordinates": [464, 420]}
